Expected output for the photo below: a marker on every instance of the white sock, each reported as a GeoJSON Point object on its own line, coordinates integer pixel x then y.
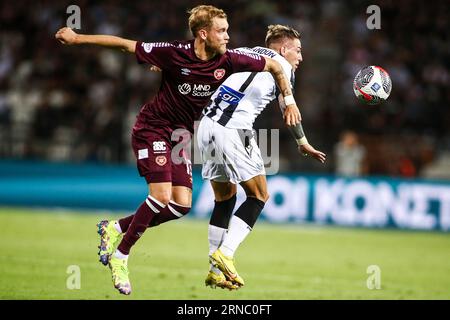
{"type": "Point", "coordinates": [120, 255]}
{"type": "Point", "coordinates": [117, 226]}
{"type": "Point", "coordinates": [215, 237]}
{"type": "Point", "coordinates": [237, 232]}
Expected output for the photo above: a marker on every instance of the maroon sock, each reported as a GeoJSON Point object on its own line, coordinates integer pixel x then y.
{"type": "Point", "coordinates": [125, 223]}
{"type": "Point", "coordinates": [142, 218]}
{"type": "Point", "coordinates": [171, 212]}
{"type": "Point", "coordinates": [163, 216]}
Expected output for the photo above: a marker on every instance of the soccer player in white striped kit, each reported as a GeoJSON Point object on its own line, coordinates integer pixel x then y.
{"type": "Point", "coordinates": [231, 155]}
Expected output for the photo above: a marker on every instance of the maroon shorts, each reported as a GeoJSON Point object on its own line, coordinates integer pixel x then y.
{"type": "Point", "coordinates": [159, 159]}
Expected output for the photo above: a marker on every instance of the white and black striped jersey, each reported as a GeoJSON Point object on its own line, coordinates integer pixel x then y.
{"type": "Point", "coordinates": [244, 95]}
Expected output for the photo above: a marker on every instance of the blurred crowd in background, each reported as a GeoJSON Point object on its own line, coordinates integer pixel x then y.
{"type": "Point", "coordinates": [63, 103]}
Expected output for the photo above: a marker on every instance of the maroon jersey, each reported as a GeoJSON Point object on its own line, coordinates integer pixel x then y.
{"type": "Point", "coordinates": [187, 82]}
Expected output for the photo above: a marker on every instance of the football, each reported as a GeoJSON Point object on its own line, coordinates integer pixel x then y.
{"type": "Point", "coordinates": [372, 85]}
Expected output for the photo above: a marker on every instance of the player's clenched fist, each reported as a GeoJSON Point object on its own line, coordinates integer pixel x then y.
{"type": "Point", "coordinates": [66, 35]}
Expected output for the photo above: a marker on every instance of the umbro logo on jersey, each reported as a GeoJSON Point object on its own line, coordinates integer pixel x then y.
{"type": "Point", "coordinates": [185, 71]}
{"type": "Point", "coordinates": [219, 73]}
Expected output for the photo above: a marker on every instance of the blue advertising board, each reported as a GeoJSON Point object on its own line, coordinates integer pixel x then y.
{"type": "Point", "coordinates": [366, 202]}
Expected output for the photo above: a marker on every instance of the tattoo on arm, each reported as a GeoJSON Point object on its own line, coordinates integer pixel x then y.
{"type": "Point", "coordinates": [281, 78]}
{"type": "Point", "coordinates": [278, 74]}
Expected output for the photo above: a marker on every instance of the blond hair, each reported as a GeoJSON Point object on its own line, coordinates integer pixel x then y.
{"type": "Point", "coordinates": [278, 32]}
{"type": "Point", "coordinates": [201, 17]}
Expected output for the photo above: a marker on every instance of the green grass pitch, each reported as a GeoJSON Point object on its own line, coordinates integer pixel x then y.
{"type": "Point", "coordinates": [170, 262]}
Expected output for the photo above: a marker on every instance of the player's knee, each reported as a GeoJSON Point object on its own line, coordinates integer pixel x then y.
{"type": "Point", "coordinates": [230, 191]}
{"type": "Point", "coordinates": [224, 191]}
{"type": "Point", "coordinates": [162, 197]}
{"type": "Point", "coordinates": [165, 200]}
{"type": "Point", "coordinates": [261, 195]}
{"type": "Point", "coordinates": [225, 196]}
{"type": "Point", "coordinates": [264, 196]}
{"type": "Point", "coordinates": [258, 192]}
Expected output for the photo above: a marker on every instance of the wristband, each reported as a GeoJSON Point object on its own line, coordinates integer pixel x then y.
{"type": "Point", "coordinates": [302, 141]}
{"type": "Point", "coordinates": [289, 100]}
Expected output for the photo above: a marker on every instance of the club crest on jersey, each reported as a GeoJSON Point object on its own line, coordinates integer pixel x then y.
{"type": "Point", "coordinates": [161, 160]}
{"type": "Point", "coordinates": [219, 73]}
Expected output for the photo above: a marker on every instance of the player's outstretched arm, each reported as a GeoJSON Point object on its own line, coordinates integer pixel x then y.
{"type": "Point", "coordinates": [302, 143]}
{"type": "Point", "coordinates": [291, 113]}
{"type": "Point", "coordinates": [69, 37]}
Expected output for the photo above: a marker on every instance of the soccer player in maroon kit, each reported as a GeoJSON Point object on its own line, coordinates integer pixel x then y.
{"type": "Point", "coordinates": [191, 72]}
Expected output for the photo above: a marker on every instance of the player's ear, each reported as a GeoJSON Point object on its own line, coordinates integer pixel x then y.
{"type": "Point", "coordinates": [283, 51]}
{"type": "Point", "coordinates": [203, 34]}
